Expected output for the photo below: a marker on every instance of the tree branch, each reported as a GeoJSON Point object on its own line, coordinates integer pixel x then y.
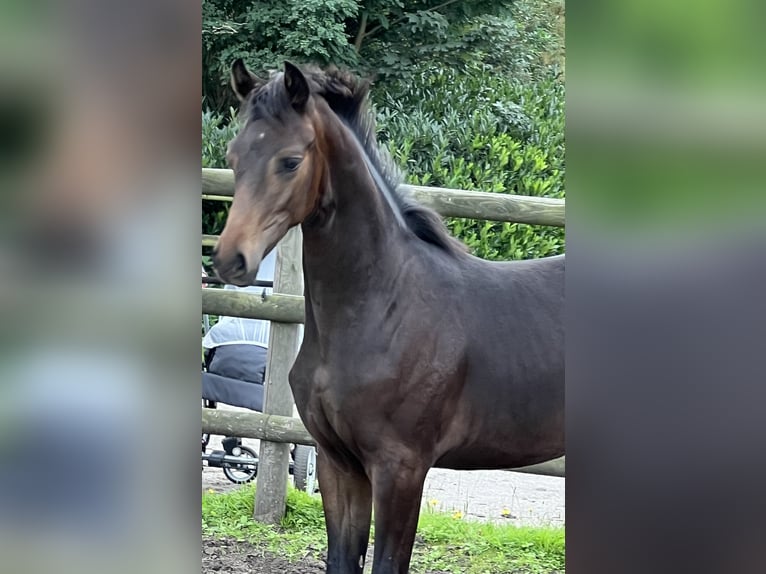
{"type": "Point", "coordinates": [360, 34]}
{"type": "Point", "coordinates": [401, 18]}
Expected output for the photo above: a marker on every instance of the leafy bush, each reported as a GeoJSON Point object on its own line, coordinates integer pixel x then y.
{"type": "Point", "coordinates": [368, 35]}
{"type": "Point", "coordinates": [481, 131]}
{"type": "Point", "coordinates": [266, 32]}
{"type": "Point", "coordinates": [518, 38]}
{"type": "Point", "coordinates": [217, 132]}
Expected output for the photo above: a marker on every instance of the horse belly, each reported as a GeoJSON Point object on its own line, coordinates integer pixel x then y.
{"type": "Point", "coordinates": [484, 456]}
{"type": "Point", "coordinates": [509, 428]}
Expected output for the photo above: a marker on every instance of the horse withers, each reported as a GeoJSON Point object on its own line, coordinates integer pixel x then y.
{"type": "Point", "coordinates": [415, 353]}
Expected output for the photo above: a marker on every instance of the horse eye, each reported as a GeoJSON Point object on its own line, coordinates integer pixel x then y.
{"type": "Point", "coordinates": [290, 163]}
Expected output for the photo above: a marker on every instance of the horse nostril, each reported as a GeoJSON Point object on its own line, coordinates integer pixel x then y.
{"type": "Point", "coordinates": [239, 263]}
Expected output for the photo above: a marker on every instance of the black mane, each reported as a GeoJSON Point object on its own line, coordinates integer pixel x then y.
{"type": "Point", "coordinates": [348, 97]}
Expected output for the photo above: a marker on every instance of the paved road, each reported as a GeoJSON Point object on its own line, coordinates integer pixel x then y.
{"type": "Point", "coordinates": [496, 495]}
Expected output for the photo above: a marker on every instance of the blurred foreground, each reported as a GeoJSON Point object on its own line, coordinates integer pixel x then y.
{"type": "Point", "coordinates": [99, 297]}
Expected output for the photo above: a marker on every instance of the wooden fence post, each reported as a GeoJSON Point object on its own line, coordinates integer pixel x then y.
{"type": "Point", "coordinates": [274, 457]}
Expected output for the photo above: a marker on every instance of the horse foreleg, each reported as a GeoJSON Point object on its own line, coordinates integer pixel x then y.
{"type": "Point", "coordinates": [347, 501]}
{"type": "Point", "coordinates": [397, 490]}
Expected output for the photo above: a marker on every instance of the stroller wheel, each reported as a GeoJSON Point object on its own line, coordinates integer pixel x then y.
{"type": "Point", "coordinates": [305, 468]}
{"type": "Point", "coordinates": [241, 473]}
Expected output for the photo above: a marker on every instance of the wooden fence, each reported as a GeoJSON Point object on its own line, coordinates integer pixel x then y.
{"type": "Point", "coordinates": [275, 426]}
{"type": "Point", "coordinates": [447, 202]}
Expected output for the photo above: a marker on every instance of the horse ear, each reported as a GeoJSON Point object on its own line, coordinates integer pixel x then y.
{"type": "Point", "coordinates": [297, 87]}
{"type": "Point", "coordinates": [242, 80]}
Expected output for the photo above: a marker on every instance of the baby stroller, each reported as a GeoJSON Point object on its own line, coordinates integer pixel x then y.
{"type": "Point", "coordinates": [233, 374]}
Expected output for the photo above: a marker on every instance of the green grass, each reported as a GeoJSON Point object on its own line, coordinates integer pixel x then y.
{"type": "Point", "coordinates": [230, 515]}
{"type": "Point", "coordinates": [445, 543]}
{"type": "Point", "coordinates": [457, 545]}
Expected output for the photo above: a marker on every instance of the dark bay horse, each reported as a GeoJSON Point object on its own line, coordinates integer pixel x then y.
{"type": "Point", "coordinates": [415, 354]}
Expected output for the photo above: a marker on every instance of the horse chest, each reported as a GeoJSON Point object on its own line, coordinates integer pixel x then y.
{"type": "Point", "coordinates": [361, 400]}
{"type": "Point", "coordinates": [326, 401]}
{"type": "Point", "coordinates": [334, 383]}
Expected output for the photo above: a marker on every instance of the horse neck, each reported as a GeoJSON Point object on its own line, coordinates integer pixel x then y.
{"type": "Point", "coordinates": [358, 242]}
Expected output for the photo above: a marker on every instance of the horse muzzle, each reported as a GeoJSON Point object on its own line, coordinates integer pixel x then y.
{"type": "Point", "coordinates": [237, 267]}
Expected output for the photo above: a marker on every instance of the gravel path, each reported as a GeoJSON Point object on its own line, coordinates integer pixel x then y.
{"type": "Point", "coordinates": [497, 495]}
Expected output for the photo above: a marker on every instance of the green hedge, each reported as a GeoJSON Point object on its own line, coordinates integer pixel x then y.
{"type": "Point", "coordinates": [217, 132]}
{"type": "Point", "coordinates": [477, 130]}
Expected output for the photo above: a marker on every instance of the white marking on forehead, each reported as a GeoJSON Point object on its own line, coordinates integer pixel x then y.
{"type": "Point", "coordinates": [261, 135]}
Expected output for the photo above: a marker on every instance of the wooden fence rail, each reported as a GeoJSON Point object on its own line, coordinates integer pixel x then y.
{"type": "Point", "coordinates": [282, 429]}
{"type": "Point", "coordinates": [274, 428]}
{"type": "Point", "coordinates": [209, 240]}
{"type": "Point", "coordinates": [447, 202]}
{"type": "Point", "coordinates": [269, 307]}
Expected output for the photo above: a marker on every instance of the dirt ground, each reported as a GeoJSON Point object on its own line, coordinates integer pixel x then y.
{"type": "Point", "coordinates": [234, 557]}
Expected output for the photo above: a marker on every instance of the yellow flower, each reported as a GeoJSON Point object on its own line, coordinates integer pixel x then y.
{"type": "Point", "coordinates": [211, 491]}
{"type": "Point", "coordinates": [457, 514]}
{"type": "Point", "coordinates": [433, 502]}
{"type": "Point", "coordinates": [505, 512]}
